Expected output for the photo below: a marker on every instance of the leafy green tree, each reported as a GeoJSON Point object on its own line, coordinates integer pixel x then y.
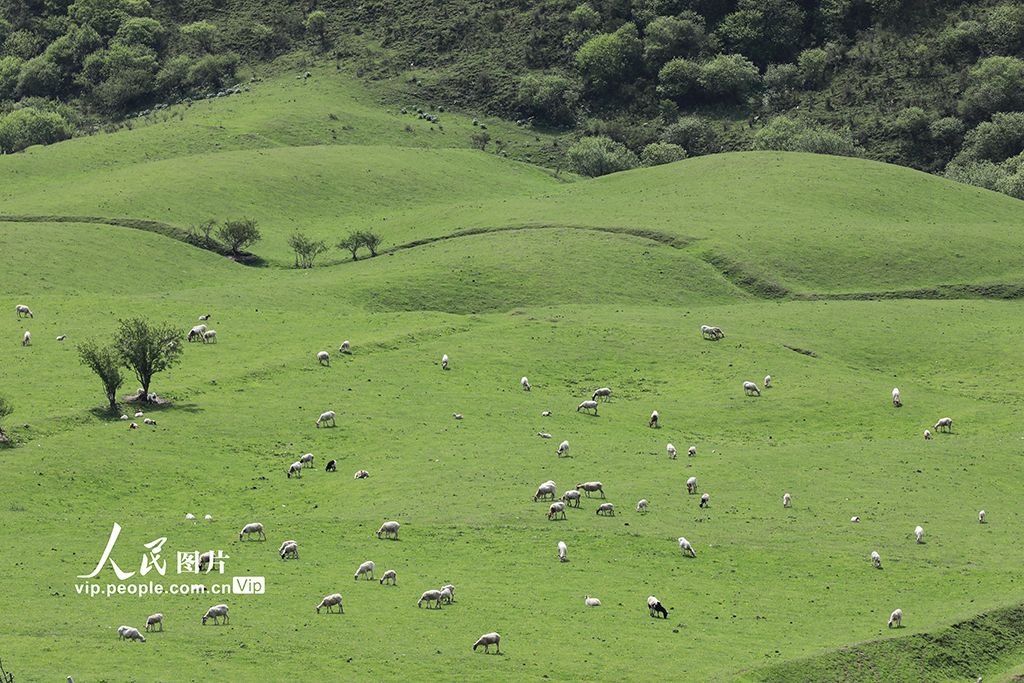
{"type": "Point", "coordinates": [141, 31]}
{"type": "Point", "coordinates": [202, 35]}
{"type": "Point", "coordinates": [123, 75]}
{"type": "Point", "coordinates": [172, 78]}
{"type": "Point", "coordinates": [669, 37]}
{"type": "Point", "coordinates": [24, 44]}
{"type": "Point", "coordinates": [238, 235]}
{"type": "Point", "coordinates": [25, 127]}
{"type": "Point", "coordinates": [597, 156]}
{"type": "Point", "coordinates": [785, 134]}
{"type": "Point", "coordinates": [695, 134]}
{"type": "Point", "coordinates": [658, 153]}
{"type": "Point", "coordinates": [994, 85]}
{"type": "Point", "coordinates": [40, 77]}
{"type": "Point", "coordinates": [552, 98]}
{"type": "Point", "coordinates": [147, 349]}
{"type": "Point", "coordinates": [306, 250]}
{"type": "Point", "coordinates": [764, 31]}
{"type": "Point", "coordinates": [106, 363]}
{"type": "Point", "coordinates": [316, 25]}
{"type": "Point", "coordinates": [6, 408]}
{"type": "Point", "coordinates": [679, 80]}
{"type": "Point", "coordinates": [479, 140]}
{"type": "Point", "coordinates": [729, 78]}
{"type": "Point", "coordinates": [10, 69]}
{"type": "Point", "coordinates": [103, 16]}
{"type": "Point", "coordinates": [370, 240]}
{"type": "Point", "coordinates": [213, 70]}
{"type": "Point", "coordinates": [609, 59]}
{"type": "Point", "coordinates": [351, 243]}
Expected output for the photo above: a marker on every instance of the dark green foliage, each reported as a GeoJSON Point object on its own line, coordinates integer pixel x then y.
{"type": "Point", "coordinates": [358, 239]}
{"type": "Point", "coordinates": [316, 25]}
{"type": "Point", "coordinates": [994, 85]}
{"type": "Point", "coordinates": [238, 235]}
{"type": "Point", "coordinates": [551, 98]}
{"type": "Point", "coordinates": [694, 134]}
{"type": "Point", "coordinates": [658, 153]}
{"type": "Point", "coordinates": [610, 59]}
{"type": "Point", "coordinates": [147, 348]}
{"type": "Point", "coordinates": [306, 250]}
{"type": "Point", "coordinates": [106, 363]}
{"type": "Point", "coordinates": [351, 243]}
{"type": "Point", "coordinates": [796, 135]}
{"type": "Point", "coordinates": [599, 156]}
{"type": "Point", "coordinates": [6, 408]}
{"type": "Point", "coordinates": [25, 127]}
{"type": "Point", "coordinates": [764, 31]}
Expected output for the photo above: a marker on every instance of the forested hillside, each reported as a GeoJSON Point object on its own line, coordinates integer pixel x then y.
{"type": "Point", "coordinates": [935, 86]}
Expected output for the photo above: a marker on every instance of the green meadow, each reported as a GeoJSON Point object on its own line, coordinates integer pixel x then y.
{"type": "Point", "coordinates": [840, 278]}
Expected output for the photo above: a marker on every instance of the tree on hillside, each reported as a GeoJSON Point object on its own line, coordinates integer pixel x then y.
{"type": "Point", "coordinates": [351, 243]}
{"type": "Point", "coordinates": [238, 235]}
{"type": "Point", "coordinates": [597, 156]}
{"type": "Point", "coordinates": [6, 408]}
{"type": "Point", "coordinates": [316, 24]}
{"type": "Point", "coordinates": [306, 250]}
{"type": "Point", "coordinates": [106, 363]}
{"type": "Point", "coordinates": [147, 349]}
{"type": "Point", "coordinates": [370, 240]}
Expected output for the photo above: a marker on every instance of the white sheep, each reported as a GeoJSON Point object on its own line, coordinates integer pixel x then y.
{"type": "Point", "coordinates": [361, 474]}
{"type": "Point", "coordinates": [717, 331]}
{"type": "Point", "coordinates": [692, 452]}
{"type": "Point", "coordinates": [62, 337]}
{"type": "Point", "coordinates": [210, 336]}
{"type": "Point", "coordinates": [27, 339]}
{"type": "Point", "coordinates": [487, 640]}
{"type": "Point", "coordinates": [544, 490]}
{"type": "Point", "coordinates": [289, 549]}
{"type": "Point", "coordinates": [671, 451]}
{"type": "Point", "coordinates": [946, 422]}
{"type": "Point", "coordinates": [307, 459]}
{"type": "Point", "coordinates": [389, 575]}
{"type": "Point", "coordinates": [691, 485]}
{"type": "Point", "coordinates": [149, 421]}
{"type": "Point", "coordinates": [654, 419]}
{"type": "Point", "coordinates": [329, 601]}
{"type": "Point", "coordinates": [896, 397]}
{"type": "Point", "coordinates": [591, 602]}
{"type": "Point", "coordinates": [918, 534]}
{"type": "Point", "coordinates": [364, 568]}
{"type": "Point", "coordinates": [556, 507]}
{"type": "Point", "coordinates": [430, 596]}
{"type": "Point", "coordinates": [215, 612]}
{"type": "Point", "coordinates": [325, 418]}
{"type": "Point", "coordinates": [544, 435]}
{"type": "Point", "coordinates": [706, 330]}
{"type": "Point", "coordinates": [591, 486]}
{"type": "Point", "coordinates": [23, 310]}
{"type": "Point", "coordinates": [444, 366]}
{"type": "Point", "coordinates": [445, 596]}
{"type": "Point", "coordinates": [685, 547]}
{"type": "Point", "coordinates": [787, 500]}
{"type": "Point", "coordinates": [749, 389]}
{"type": "Point", "coordinates": [205, 559]}
{"type": "Point", "coordinates": [209, 518]}
{"type": "Point", "coordinates": [927, 435]}
{"type": "Point", "coordinates": [139, 414]}
{"type": "Point", "coordinates": [607, 508]}
{"type": "Point", "coordinates": [389, 529]}
{"type": "Point", "coordinates": [854, 519]}
{"type": "Point", "coordinates": [876, 559]}
{"type": "Point", "coordinates": [981, 517]}
{"type": "Point", "coordinates": [153, 620]}
{"type": "Point", "coordinates": [129, 633]}
{"type": "Point", "coordinates": [604, 391]}
{"type": "Point", "coordinates": [295, 468]}
{"type": "Point", "coordinates": [546, 413]}
{"type": "Point", "coordinates": [705, 501]}
{"type": "Point", "coordinates": [345, 347]}
{"type": "Point", "coordinates": [562, 448]}
{"type": "Point", "coordinates": [197, 332]}
{"type": "Point", "coordinates": [571, 496]}
{"type": "Point", "coordinates": [896, 618]}
{"type": "Point", "coordinates": [526, 384]}
{"type": "Point", "coordinates": [767, 381]}
{"type": "Point", "coordinates": [457, 416]}
{"type": "Point", "coordinates": [587, 405]}
{"type": "Point", "coordinates": [563, 552]}
{"type": "Point", "coordinates": [324, 358]}
{"type": "Point", "coordinates": [655, 607]}
{"type": "Point", "coordinates": [189, 515]}
{"type": "Point", "coordinates": [450, 588]}
{"type": "Point", "coordinates": [641, 506]}
{"type": "Point", "coordinates": [252, 528]}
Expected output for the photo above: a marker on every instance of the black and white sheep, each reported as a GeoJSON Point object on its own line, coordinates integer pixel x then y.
{"type": "Point", "coordinates": [324, 358]}
{"type": "Point", "coordinates": [329, 601]}
{"type": "Point", "coordinates": [691, 485]}
{"type": "Point", "coordinates": [787, 500]}
{"type": "Point", "coordinates": [526, 384]}
{"type": "Point", "coordinates": [876, 559]}
{"type": "Point", "coordinates": [487, 640]}
{"type": "Point", "coordinates": [653, 422]}
{"type": "Point", "coordinates": [215, 612]}
{"type": "Point", "coordinates": [332, 466]}
{"type": "Point", "coordinates": [27, 339]}
{"type": "Point", "coordinates": [62, 337]}
{"type": "Point", "coordinates": [896, 397]}
{"type": "Point", "coordinates": [705, 501]}
{"type": "Point", "coordinates": [389, 575]}
{"type": "Point", "coordinates": [655, 607]}
{"type": "Point", "coordinates": [389, 529]}
{"type": "Point", "coordinates": [361, 474]}
{"type": "Point", "coordinates": [749, 389]}
{"type": "Point", "coordinates": [365, 568]}
{"type": "Point", "coordinates": [153, 620]}
{"type": "Point", "coordinates": [252, 528]}
{"type": "Point", "coordinates": [587, 405]}
{"type": "Point", "coordinates": [325, 418]}
{"type": "Point", "coordinates": [981, 517]}
{"type": "Point", "coordinates": [444, 362]}
{"type": "Point", "coordinates": [671, 451]}
{"type": "Point", "coordinates": [556, 508]}
{"type": "Point", "coordinates": [23, 310]}
{"type": "Point", "coordinates": [603, 391]}
{"type": "Point", "coordinates": [197, 332]}
{"type": "Point", "coordinates": [591, 486]}
{"type": "Point", "coordinates": [307, 459]}
{"type": "Point", "coordinates": [205, 317]}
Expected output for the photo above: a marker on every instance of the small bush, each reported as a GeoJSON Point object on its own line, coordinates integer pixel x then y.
{"type": "Point", "coordinates": [599, 156]}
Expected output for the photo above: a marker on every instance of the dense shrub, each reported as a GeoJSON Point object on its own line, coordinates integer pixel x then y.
{"type": "Point", "coordinates": [694, 134]}
{"type": "Point", "coordinates": [609, 59]}
{"type": "Point", "coordinates": [599, 156]}
{"type": "Point", "coordinates": [794, 135]}
{"type": "Point", "coordinates": [552, 98]}
{"type": "Point", "coordinates": [25, 127]}
{"type": "Point", "coordinates": [658, 153]}
{"type": "Point", "coordinates": [994, 85]}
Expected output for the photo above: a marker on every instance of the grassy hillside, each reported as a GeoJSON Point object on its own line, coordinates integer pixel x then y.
{"type": "Point", "coordinates": [510, 272]}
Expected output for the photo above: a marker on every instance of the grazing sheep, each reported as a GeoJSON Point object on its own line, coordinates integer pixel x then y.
{"type": "Point", "coordinates": [307, 459]}
{"type": "Point", "coordinates": [431, 595]}
{"type": "Point", "coordinates": [332, 466]}
{"type": "Point", "coordinates": [671, 451]}
{"type": "Point", "coordinates": [457, 416]}
{"type": "Point", "coordinates": [641, 506]}
{"type": "Point", "coordinates": [129, 633]}
{"type": "Point", "coordinates": [210, 336]}
{"type": "Point", "coordinates": [289, 549]}
{"type": "Point", "coordinates": [450, 588]}
{"type": "Point", "coordinates": [389, 575]}
{"type": "Point", "coordinates": [896, 397]}
{"type": "Point", "coordinates": [445, 596]}
{"type": "Point", "coordinates": [324, 358]}
{"type": "Point", "coordinates": [563, 552]}
{"type": "Point", "coordinates": [365, 567]}
{"type": "Point", "coordinates": [487, 640]}
{"type": "Point", "coordinates": [345, 347]}
{"type": "Point", "coordinates": [655, 608]}
{"type": "Point", "coordinates": [981, 517]}
{"type": "Point", "coordinates": [444, 366]}
{"type": "Point", "coordinates": [876, 559]}
{"type": "Point", "coordinates": [604, 391]}
{"type": "Point", "coordinates": [591, 602]}
{"type": "Point", "coordinates": [62, 337]}
{"type": "Point", "coordinates": [361, 474]}
{"type": "Point", "coordinates": [562, 448]}
{"type": "Point", "coordinates": [749, 389]}
{"type": "Point", "coordinates": [607, 508]}
{"type": "Point", "coordinates": [767, 381]}
{"type": "Point", "coordinates": [149, 421]}
{"type": "Point", "coordinates": [654, 419]}
{"type": "Point", "coordinates": [544, 435]}
{"type": "Point", "coordinates": [153, 620]}
{"type": "Point", "coordinates": [706, 332]}
{"type": "Point", "coordinates": [546, 413]}
{"type": "Point", "coordinates": [896, 618]}
{"type": "Point", "coordinates": [946, 422]}
{"type": "Point", "coordinates": [197, 332]}
{"type": "Point", "coordinates": [918, 533]}
{"type": "Point", "coordinates": [205, 559]}
{"type": "Point", "coordinates": [253, 528]}
{"type": "Point", "coordinates": [704, 501]}
{"type": "Point", "coordinates": [787, 500]}
{"type": "Point", "coordinates": [205, 317]}
{"type": "Point", "coordinates": [133, 426]}
{"type": "Point", "coordinates": [555, 509]}
{"type": "Point", "coordinates": [139, 414]}
{"type": "Point", "coordinates": [685, 547]}
{"type": "Point", "coordinates": [189, 515]}
{"type": "Point", "coordinates": [692, 452]}
{"type": "Point", "coordinates": [389, 529]}
{"type": "Point", "coordinates": [854, 519]}
{"type": "Point", "coordinates": [215, 612]}
{"type": "Point", "coordinates": [526, 384]}
{"type": "Point", "coordinates": [588, 405]}
{"type": "Point", "coordinates": [569, 497]}
{"type": "Point", "coordinates": [23, 310]}
{"type": "Point", "coordinates": [717, 331]}
{"type": "Point", "coordinates": [329, 601]}
{"type": "Point", "coordinates": [691, 485]}
{"type": "Point", "coordinates": [544, 490]}
{"type": "Point", "coordinates": [295, 468]}
{"type": "Point", "coordinates": [591, 486]}
{"type": "Point", "coordinates": [27, 339]}
{"type": "Point", "coordinates": [325, 418]}
{"type": "Point", "coordinates": [927, 435]}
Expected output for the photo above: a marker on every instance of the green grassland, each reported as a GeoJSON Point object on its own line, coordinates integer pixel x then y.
{"type": "Point", "coordinates": [511, 272]}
